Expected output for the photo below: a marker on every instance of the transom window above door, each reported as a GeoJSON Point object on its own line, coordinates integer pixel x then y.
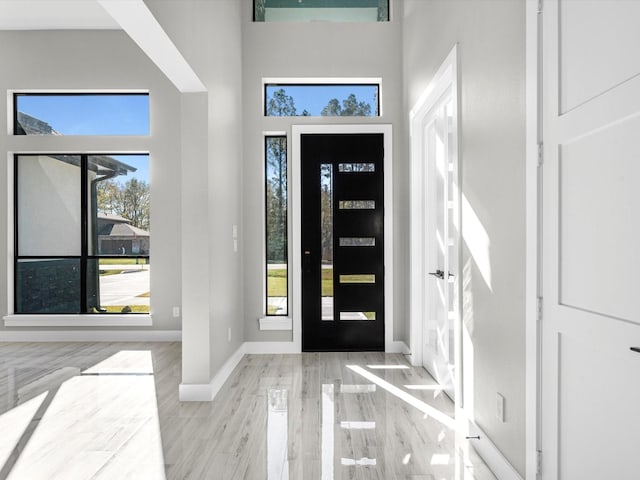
{"type": "Point", "coordinates": [322, 98]}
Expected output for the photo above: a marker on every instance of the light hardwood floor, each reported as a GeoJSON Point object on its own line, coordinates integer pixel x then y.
{"type": "Point", "coordinates": [111, 411]}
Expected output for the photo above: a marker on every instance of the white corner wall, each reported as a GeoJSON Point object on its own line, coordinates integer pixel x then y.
{"type": "Point", "coordinates": [90, 60]}
{"type": "Point", "coordinates": [491, 49]}
{"type": "Point", "coordinates": [208, 35]}
{"type": "Point", "coordinates": [316, 50]}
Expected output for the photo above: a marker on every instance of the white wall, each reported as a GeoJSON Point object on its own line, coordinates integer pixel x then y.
{"type": "Point", "coordinates": [208, 36]}
{"type": "Point", "coordinates": [45, 60]}
{"type": "Point", "coordinates": [313, 50]}
{"type": "Point", "coordinates": [491, 48]}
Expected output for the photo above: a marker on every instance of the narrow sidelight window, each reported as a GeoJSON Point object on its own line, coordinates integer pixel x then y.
{"type": "Point", "coordinates": [277, 265]}
{"type": "Point", "coordinates": [326, 233]}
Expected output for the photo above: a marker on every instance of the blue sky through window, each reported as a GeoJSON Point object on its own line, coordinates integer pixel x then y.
{"type": "Point", "coordinates": [95, 114]}
{"type": "Point", "coordinates": [140, 162]}
{"type": "Point", "coordinates": [314, 98]}
{"type": "Point", "coordinates": [100, 114]}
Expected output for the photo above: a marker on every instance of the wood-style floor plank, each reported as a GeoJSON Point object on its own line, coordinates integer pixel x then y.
{"type": "Point", "coordinates": [111, 411]}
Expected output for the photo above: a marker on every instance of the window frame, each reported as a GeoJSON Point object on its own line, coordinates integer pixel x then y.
{"type": "Point", "coordinates": [73, 93]}
{"type": "Point", "coordinates": [61, 319]}
{"type": "Point", "coordinates": [321, 82]}
{"type": "Point", "coordinates": [265, 138]}
{"type": "Point", "coordinates": [253, 15]}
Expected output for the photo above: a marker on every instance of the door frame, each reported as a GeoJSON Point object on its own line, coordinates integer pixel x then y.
{"type": "Point", "coordinates": [445, 80]}
{"type": "Point", "coordinates": [533, 232]}
{"type": "Point", "coordinates": [296, 222]}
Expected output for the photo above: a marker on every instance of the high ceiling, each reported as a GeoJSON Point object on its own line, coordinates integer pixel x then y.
{"type": "Point", "coordinates": [132, 16]}
{"type": "Point", "coordinates": [54, 15]}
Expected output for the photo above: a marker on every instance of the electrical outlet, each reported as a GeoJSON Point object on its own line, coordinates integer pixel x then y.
{"type": "Point", "coordinates": [176, 312]}
{"type": "Point", "coordinates": [234, 231]}
{"type": "Point", "coordinates": [229, 335]}
{"type": "Point", "coordinates": [500, 407]}
{"type": "Point", "coordinates": [235, 245]}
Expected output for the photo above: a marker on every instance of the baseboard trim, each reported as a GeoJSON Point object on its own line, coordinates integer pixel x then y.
{"type": "Point", "coordinates": [194, 392]}
{"type": "Point", "coordinates": [491, 455]}
{"type": "Point", "coordinates": [206, 392]}
{"type": "Point", "coordinates": [91, 336]}
{"type": "Point", "coordinates": [397, 347]}
{"type": "Point", "coordinates": [81, 321]}
{"type": "Point", "coordinates": [227, 369]}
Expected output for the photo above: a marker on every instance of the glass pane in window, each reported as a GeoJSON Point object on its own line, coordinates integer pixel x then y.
{"type": "Point", "coordinates": [118, 285]}
{"type": "Point", "coordinates": [81, 114]}
{"type": "Point", "coordinates": [357, 241]}
{"type": "Point", "coordinates": [326, 231]}
{"type": "Point", "coordinates": [48, 285]}
{"type": "Point", "coordinates": [48, 209]}
{"type": "Point", "coordinates": [276, 224]}
{"type": "Point", "coordinates": [119, 199]}
{"type": "Point", "coordinates": [356, 167]}
{"type": "Point", "coordinates": [357, 315]}
{"type": "Point", "coordinates": [358, 278]}
{"type": "Point", "coordinates": [327, 100]}
{"type": "Point", "coordinates": [321, 11]}
{"type": "Point", "coordinates": [357, 204]}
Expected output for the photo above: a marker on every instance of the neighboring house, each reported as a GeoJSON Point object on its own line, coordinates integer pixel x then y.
{"type": "Point", "coordinates": [28, 125]}
{"type": "Point", "coordinates": [116, 236]}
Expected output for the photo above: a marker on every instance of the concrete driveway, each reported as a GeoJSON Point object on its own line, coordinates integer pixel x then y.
{"type": "Point", "coordinates": [124, 288]}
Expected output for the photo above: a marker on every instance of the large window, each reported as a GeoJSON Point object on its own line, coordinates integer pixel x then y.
{"type": "Point", "coordinates": [321, 99]}
{"type": "Point", "coordinates": [81, 233]}
{"type": "Point", "coordinates": [321, 10]}
{"type": "Point", "coordinates": [81, 114]}
{"type": "Point", "coordinates": [276, 224]}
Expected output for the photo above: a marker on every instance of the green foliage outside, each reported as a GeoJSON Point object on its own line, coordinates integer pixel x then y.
{"type": "Point", "coordinates": [350, 107]}
{"type": "Point", "coordinates": [277, 282]}
{"type": "Point", "coordinates": [130, 200]}
{"type": "Point", "coordinates": [280, 105]}
{"type": "Point", "coordinates": [123, 261]}
{"type": "Point", "coordinates": [327, 282]}
{"type": "Point", "coordinates": [276, 199]}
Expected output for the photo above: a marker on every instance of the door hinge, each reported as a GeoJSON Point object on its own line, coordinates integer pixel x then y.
{"type": "Point", "coordinates": [540, 154]}
{"type": "Point", "coordinates": [538, 462]}
{"type": "Point", "coordinates": [539, 309]}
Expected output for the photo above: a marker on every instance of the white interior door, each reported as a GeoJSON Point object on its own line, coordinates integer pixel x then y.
{"type": "Point", "coordinates": [591, 240]}
{"type": "Point", "coordinates": [435, 213]}
{"type": "Point", "coordinates": [440, 245]}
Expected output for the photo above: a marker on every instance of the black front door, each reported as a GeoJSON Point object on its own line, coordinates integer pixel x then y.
{"type": "Point", "coordinates": [342, 242]}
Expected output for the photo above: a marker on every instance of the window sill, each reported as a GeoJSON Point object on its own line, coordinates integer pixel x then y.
{"type": "Point", "coordinates": [275, 323]}
{"type": "Point", "coordinates": [25, 320]}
